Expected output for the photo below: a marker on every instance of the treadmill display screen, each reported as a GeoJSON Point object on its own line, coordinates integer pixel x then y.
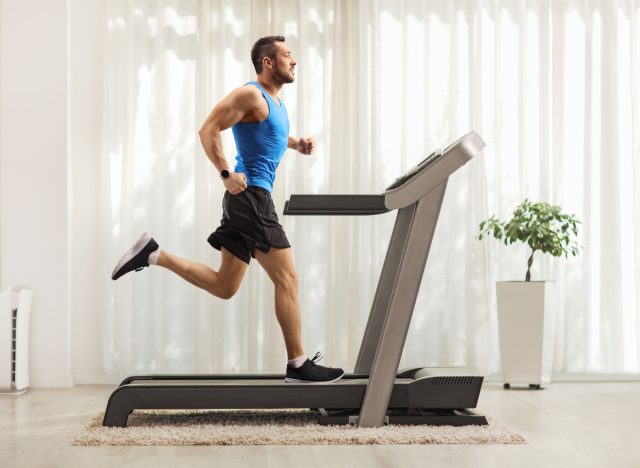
{"type": "Point", "coordinates": [433, 157]}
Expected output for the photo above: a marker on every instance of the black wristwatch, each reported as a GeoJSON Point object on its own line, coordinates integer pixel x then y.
{"type": "Point", "coordinates": [224, 174]}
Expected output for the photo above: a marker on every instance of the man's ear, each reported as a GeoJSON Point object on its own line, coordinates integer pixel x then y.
{"type": "Point", "coordinates": [267, 61]}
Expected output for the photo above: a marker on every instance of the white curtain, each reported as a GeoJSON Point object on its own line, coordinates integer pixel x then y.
{"type": "Point", "coordinates": [552, 87]}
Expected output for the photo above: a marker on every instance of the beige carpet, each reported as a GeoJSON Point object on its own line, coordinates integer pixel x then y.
{"type": "Point", "coordinates": [275, 427]}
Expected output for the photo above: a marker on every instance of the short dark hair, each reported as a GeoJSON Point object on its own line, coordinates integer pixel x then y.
{"type": "Point", "coordinates": [264, 47]}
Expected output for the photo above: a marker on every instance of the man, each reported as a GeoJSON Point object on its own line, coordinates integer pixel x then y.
{"type": "Point", "coordinates": [249, 226]}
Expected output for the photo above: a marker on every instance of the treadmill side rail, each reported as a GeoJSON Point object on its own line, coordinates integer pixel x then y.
{"type": "Point", "coordinates": [453, 417]}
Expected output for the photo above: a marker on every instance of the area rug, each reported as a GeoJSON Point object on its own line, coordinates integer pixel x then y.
{"type": "Point", "coordinates": [275, 427]}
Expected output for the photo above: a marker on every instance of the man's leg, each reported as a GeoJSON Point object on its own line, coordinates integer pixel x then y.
{"type": "Point", "coordinates": [278, 264]}
{"type": "Point", "coordinates": [223, 283]}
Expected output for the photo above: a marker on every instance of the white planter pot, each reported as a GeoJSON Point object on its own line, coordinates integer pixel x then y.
{"type": "Point", "coordinates": [525, 322]}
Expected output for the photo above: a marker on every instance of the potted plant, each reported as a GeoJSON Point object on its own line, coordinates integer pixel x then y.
{"type": "Point", "coordinates": [525, 312]}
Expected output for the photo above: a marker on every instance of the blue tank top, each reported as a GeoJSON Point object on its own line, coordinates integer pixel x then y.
{"type": "Point", "coordinates": [261, 145]}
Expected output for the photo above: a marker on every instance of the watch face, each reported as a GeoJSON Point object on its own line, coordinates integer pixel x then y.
{"type": "Point", "coordinates": [224, 174]}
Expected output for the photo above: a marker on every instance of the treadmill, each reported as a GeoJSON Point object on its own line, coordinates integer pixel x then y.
{"type": "Point", "coordinates": [377, 392]}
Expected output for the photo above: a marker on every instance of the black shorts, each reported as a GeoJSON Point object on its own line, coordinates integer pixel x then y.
{"type": "Point", "coordinates": [249, 221]}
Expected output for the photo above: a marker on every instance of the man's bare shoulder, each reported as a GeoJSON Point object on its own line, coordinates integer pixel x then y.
{"type": "Point", "coordinates": [247, 96]}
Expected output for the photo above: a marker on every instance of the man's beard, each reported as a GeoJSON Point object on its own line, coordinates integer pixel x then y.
{"type": "Point", "coordinates": [282, 77]}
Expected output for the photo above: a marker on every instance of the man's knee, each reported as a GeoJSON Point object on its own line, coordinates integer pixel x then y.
{"type": "Point", "coordinates": [225, 287]}
{"type": "Point", "coordinates": [287, 280]}
{"type": "Point", "coordinates": [226, 291]}
{"type": "Point", "coordinates": [227, 282]}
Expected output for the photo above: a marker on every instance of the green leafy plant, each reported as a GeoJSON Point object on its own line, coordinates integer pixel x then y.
{"type": "Point", "coordinates": [539, 225]}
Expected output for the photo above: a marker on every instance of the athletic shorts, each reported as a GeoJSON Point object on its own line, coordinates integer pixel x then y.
{"type": "Point", "coordinates": [249, 221]}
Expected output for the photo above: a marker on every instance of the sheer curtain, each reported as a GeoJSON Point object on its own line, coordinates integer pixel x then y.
{"type": "Point", "coordinates": [552, 87]}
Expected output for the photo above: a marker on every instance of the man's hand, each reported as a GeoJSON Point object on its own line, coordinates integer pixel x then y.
{"type": "Point", "coordinates": [235, 183]}
{"type": "Point", "coordinates": [306, 145]}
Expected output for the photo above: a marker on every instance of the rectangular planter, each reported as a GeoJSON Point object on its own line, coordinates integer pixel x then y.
{"type": "Point", "coordinates": [525, 321]}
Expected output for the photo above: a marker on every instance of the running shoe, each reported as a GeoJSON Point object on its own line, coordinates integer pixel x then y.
{"type": "Point", "coordinates": [310, 372]}
{"type": "Point", "coordinates": [137, 257]}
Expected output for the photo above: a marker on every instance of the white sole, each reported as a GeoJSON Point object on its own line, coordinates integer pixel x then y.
{"type": "Point", "coordinates": [306, 382]}
{"type": "Point", "coordinates": [132, 252]}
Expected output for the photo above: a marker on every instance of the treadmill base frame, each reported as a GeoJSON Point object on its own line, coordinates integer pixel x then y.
{"type": "Point", "coordinates": [461, 417]}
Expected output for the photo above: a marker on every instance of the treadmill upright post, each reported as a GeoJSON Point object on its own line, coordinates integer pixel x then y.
{"type": "Point", "coordinates": [411, 240]}
{"type": "Point", "coordinates": [382, 297]}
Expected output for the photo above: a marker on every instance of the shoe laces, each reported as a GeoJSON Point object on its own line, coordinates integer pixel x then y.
{"type": "Point", "coordinates": [317, 357]}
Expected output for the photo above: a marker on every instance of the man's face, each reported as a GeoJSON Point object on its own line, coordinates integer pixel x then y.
{"type": "Point", "coordinates": [284, 66]}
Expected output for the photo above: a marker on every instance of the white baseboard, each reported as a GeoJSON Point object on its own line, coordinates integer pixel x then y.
{"type": "Point", "coordinates": [63, 380]}
{"type": "Point", "coordinates": [96, 378]}
{"type": "Point", "coordinates": [79, 378]}
{"type": "Point", "coordinates": [579, 377]}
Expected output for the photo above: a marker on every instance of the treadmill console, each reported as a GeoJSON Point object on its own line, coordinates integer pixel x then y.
{"type": "Point", "coordinates": [429, 160]}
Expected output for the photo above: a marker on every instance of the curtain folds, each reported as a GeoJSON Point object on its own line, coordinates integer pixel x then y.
{"type": "Point", "coordinates": [552, 87]}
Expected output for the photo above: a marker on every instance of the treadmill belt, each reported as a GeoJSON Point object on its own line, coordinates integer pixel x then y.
{"type": "Point", "coordinates": [251, 382]}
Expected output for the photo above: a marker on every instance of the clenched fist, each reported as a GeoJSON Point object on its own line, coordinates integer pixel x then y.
{"type": "Point", "coordinates": [306, 145]}
{"type": "Point", "coordinates": [235, 183]}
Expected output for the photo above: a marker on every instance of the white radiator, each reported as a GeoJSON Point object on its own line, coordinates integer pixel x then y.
{"type": "Point", "coordinates": [15, 307]}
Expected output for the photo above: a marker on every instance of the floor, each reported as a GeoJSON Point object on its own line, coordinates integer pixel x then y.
{"type": "Point", "coordinates": [567, 425]}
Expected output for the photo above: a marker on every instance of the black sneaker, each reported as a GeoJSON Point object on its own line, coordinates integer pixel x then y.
{"type": "Point", "coordinates": [137, 257]}
{"type": "Point", "coordinates": [310, 372]}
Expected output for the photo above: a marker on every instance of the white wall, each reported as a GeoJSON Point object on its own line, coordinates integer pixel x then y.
{"type": "Point", "coordinates": [88, 273]}
{"type": "Point", "coordinates": [51, 72]}
{"type": "Point", "coordinates": [33, 175]}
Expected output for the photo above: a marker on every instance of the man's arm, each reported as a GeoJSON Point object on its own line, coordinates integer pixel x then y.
{"type": "Point", "coordinates": [231, 110]}
{"type": "Point", "coordinates": [302, 145]}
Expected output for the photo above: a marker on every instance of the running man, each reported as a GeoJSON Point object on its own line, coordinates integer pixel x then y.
{"type": "Point", "coordinates": [249, 226]}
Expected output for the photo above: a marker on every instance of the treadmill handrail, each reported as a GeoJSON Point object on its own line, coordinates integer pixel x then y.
{"type": "Point", "coordinates": [404, 191]}
{"type": "Point", "coordinates": [346, 205]}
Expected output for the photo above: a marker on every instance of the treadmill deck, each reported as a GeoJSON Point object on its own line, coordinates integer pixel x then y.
{"type": "Point", "coordinates": [411, 390]}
